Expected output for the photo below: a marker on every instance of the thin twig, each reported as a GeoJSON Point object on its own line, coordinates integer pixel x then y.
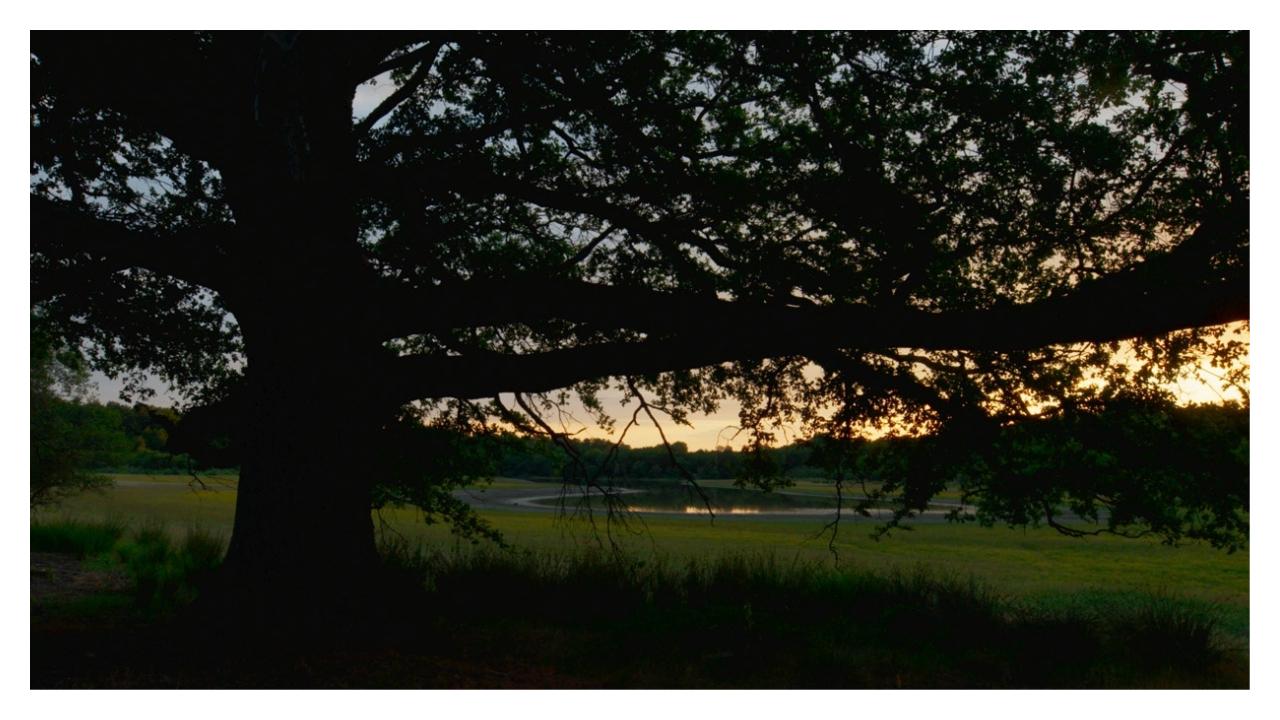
{"type": "Point", "coordinates": [688, 476]}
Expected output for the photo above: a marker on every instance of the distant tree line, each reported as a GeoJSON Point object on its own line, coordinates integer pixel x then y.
{"type": "Point", "coordinates": [74, 440]}
{"type": "Point", "coordinates": [112, 437]}
{"type": "Point", "coordinates": [1209, 439]}
{"type": "Point", "coordinates": [1111, 464]}
{"type": "Point", "coordinates": [538, 457]}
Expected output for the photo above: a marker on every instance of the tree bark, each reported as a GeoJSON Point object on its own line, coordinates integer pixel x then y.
{"type": "Point", "coordinates": [303, 542]}
{"type": "Point", "coordinates": [303, 539]}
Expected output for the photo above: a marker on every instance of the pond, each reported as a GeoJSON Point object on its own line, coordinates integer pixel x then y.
{"type": "Point", "coordinates": [669, 498]}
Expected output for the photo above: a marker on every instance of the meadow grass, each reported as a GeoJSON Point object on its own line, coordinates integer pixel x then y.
{"type": "Point", "coordinates": [76, 537]}
{"type": "Point", "coordinates": [744, 615]}
{"type": "Point", "coordinates": [758, 620]}
{"type": "Point", "coordinates": [1034, 564]}
{"type": "Point", "coordinates": [165, 569]}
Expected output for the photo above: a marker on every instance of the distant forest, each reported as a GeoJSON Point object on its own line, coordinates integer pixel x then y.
{"type": "Point", "coordinates": [112, 437]}
{"type": "Point", "coordinates": [117, 438]}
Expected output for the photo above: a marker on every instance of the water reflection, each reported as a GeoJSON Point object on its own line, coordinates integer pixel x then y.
{"type": "Point", "coordinates": [702, 510]}
{"type": "Point", "coordinates": [698, 510]}
{"type": "Point", "coordinates": [654, 498]}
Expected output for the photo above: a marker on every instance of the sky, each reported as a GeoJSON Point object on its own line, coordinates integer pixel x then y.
{"type": "Point", "coordinates": [370, 94]}
{"type": "Point", "coordinates": [708, 431]}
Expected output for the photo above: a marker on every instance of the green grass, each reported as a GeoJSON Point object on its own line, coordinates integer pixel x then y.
{"type": "Point", "coordinates": [167, 501]}
{"type": "Point", "coordinates": [165, 568]}
{"type": "Point", "coordinates": [167, 573]}
{"type": "Point", "coordinates": [76, 537]}
{"type": "Point", "coordinates": [757, 620]}
{"type": "Point", "coordinates": [1037, 563]}
{"type": "Point", "coordinates": [730, 618]}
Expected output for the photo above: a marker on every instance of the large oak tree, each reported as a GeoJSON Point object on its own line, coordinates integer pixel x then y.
{"type": "Point", "coordinates": [934, 232]}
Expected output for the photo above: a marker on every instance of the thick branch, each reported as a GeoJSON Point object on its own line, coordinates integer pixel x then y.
{"type": "Point", "coordinates": [1173, 292]}
{"type": "Point", "coordinates": [63, 233]}
{"type": "Point", "coordinates": [403, 92]}
{"type": "Point", "coordinates": [431, 46]}
{"type": "Point", "coordinates": [484, 374]}
{"type": "Point", "coordinates": [733, 334]}
{"type": "Point", "coordinates": [1176, 290]}
{"type": "Point", "coordinates": [1130, 305]}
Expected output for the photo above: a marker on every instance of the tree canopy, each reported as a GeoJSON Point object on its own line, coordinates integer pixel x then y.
{"type": "Point", "coordinates": [922, 232]}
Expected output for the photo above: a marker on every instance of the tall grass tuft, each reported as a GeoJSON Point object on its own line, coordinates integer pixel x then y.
{"type": "Point", "coordinates": [763, 621]}
{"type": "Point", "coordinates": [75, 537]}
{"type": "Point", "coordinates": [1167, 631]}
{"type": "Point", "coordinates": [166, 574]}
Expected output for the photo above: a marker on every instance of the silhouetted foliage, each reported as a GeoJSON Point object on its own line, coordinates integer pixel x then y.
{"type": "Point", "coordinates": [63, 439]}
{"type": "Point", "coordinates": [114, 438]}
{"type": "Point", "coordinates": [939, 233]}
{"type": "Point", "coordinates": [1133, 467]}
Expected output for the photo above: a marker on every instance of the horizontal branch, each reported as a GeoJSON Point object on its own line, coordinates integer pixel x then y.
{"type": "Point", "coordinates": [811, 332]}
{"type": "Point", "coordinates": [61, 232]}
{"type": "Point", "coordinates": [481, 374]}
{"type": "Point", "coordinates": [1173, 292]}
{"type": "Point", "coordinates": [1167, 293]}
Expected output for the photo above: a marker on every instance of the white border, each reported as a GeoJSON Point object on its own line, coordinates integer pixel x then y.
{"type": "Point", "coordinates": [20, 702]}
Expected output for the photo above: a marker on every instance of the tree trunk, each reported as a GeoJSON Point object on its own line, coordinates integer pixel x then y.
{"type": "Point", "coordinates": [311, 416]}
{"type": "Point", "coordinates": [303, 536]}
{"type": "Point", "coordinates": [303, 540]}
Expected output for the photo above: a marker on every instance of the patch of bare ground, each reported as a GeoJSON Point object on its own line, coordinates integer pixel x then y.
{"type": "Point", "coordinates": [61, 577]}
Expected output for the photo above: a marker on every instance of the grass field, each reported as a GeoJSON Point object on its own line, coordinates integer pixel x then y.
{"type": "Point", "coordinates": [1121, 607]}
{"type": "Point", "coordinates": [1029, 563]}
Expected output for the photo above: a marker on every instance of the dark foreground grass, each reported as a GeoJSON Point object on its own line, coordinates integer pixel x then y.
{"type": "Point", "coordinates": [756, 621]}
{"type": "Point", "coordinates": [164, 573]}
{"type": "Point", "coordinates": [74, 537]}
{"type": "Point", "coordinates": [485, 618]}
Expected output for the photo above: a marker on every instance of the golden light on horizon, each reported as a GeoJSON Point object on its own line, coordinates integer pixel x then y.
{"type": "Point", "coordinates": [1203, 382]}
